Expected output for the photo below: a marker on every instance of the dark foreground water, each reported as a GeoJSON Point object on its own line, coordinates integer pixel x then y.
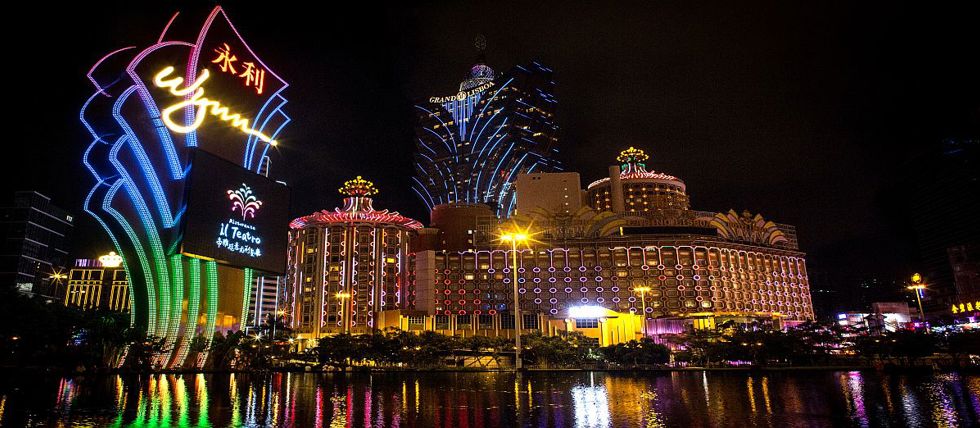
{"type": "Point", "coordinates": [496, 400]}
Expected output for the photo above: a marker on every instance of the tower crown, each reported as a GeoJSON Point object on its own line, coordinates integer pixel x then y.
{"type": "Point", "coordinates": [358, 187]}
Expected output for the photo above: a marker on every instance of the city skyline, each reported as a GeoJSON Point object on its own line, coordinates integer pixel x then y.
{"type": "Point", "coordinates": [824, 133]}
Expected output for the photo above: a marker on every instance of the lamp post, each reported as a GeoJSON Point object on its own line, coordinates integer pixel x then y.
{"type": "Point", "coordinates": [56, 279]}
{"type": "Point", "coordinates": [643, 290]}
{"type": "Point", "coordinates": [514, 238]}
{"type": "Point", "coordinates": [917, 287]}
{"type": "Point", "coordinates": [343, 296]}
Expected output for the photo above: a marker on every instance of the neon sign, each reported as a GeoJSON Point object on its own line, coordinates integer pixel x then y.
{"type": "Point", "coordinates": [237, 236]}
{"type": "Point", "coordinates": [462, 95]}
{"type": "Point", "coordinates": [111, 260]}
{"type": "Point", "coordinates": [240, 238]}
{"type": "Point", "coordinates": [254, 76]}
{"type": "Point", "coordinates": [141, 193]}
{"type": "Point", "coordinates": [199, 101]}
{"type": "Point", "coordinates": [243, 200]}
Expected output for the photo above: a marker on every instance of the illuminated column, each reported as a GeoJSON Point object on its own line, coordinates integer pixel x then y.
{"type": "Point", "coordinates": [616, 190]}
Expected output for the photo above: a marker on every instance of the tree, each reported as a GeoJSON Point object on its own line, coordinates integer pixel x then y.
{"type": "Point", "coordinates": [642, 352]}
{"type": "Point", "coordinates": [338, 350]}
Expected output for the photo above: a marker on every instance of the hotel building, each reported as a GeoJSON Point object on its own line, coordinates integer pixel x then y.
{"type": "Point", "coordinates": [346, 266]}
{"type": "Point", "coordinates": [635, 252]}
{"type": "Point", "coordinates": [98, 284]}
{"type": "Point", "coordinates": [472, 144]}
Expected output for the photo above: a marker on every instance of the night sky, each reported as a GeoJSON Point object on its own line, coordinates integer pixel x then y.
{"type": "Point", "coordinates": [807, 112]}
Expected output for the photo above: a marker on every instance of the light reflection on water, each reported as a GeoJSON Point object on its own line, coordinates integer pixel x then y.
{"type": "Point", "coordinates": [493, 400]}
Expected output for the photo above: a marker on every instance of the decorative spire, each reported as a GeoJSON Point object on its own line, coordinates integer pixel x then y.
{"type": "Point", "coordinates": [633, 160]}
{"type": "Point", "coordinates": [358, 187]}
{"type": "Point", "coordinates": [480, 73]}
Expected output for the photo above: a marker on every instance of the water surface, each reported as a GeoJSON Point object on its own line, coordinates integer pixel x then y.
{"type": "Point", "coordinates": [495, 400]}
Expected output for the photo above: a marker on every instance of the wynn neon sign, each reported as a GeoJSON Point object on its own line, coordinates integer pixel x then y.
{"type": "Point", "coordinates": [201, 103]}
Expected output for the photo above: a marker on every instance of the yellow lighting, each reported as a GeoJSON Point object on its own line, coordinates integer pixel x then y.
{"type": "Point", "coordinates": [201, 103]}
{"type": "Point", "coordinates": [517, 235]}
{"type": "Point", "coordinates": [641, 289]}
{"type": "Point", "coordinates": [916, 278]}
{"type": "Point", "coordinates": [342, 295]}
{"type": "Point", "coordinates": [111, 260]}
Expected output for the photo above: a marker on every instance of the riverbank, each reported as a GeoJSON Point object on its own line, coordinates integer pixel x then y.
{"type": "Point", "coordinates": [366, 369]}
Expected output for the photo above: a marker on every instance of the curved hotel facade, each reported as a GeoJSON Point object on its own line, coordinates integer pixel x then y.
{"type": "Point", "coordinates": [347, 266]}
{"type": "Point", "coordinates": [632, 248]}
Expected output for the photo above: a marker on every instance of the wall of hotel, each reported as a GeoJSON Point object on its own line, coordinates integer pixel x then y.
{"type": "Point", "coordinates": [364, 260]}
{"type": "Point", "coordinates": [98, 288]}
{"type": "Point", "coordinates": [684, 279]}
{"type": "Point", "coordinates": [558, 192]}
{"type": "Point", "coordinates": [462, 226]}
{"type": "Point", "coordinates": [606, 330]}
{"type": "Point", "coordinates": [638, 195]}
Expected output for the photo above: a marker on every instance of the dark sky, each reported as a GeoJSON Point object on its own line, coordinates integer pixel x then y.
{"type": "Point", "coordinates": [804, 111]}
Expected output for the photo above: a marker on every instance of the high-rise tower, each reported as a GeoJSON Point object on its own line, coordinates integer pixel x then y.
{"type": "Point", "coordinates": [472, 145]}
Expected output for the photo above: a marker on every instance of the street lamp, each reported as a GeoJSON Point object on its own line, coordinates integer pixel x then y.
{"type": "Point", "coordinates": [56, 279]}
{"type": "Point", "coordinates": [343, 296]}
{"type": "Point", "coordinates": [643, 290]}
{"type": "Point", "coordinates": [514, 238]}
{"type": "Point", "coordinates": [917, 286]}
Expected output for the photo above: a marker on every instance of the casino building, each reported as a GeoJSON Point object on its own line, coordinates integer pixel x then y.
{"type": "Point", "coordinates": [473, 144]}
{"type": "Point", "coordinates": [633, 253]}
{"type": "Point", "coordinates": [98, 284]}
{"type": "Point", "coordinates": [348, 265]}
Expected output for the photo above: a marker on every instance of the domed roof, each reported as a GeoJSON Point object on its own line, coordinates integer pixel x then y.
{"type": "Point", "coordinates": [479, 74]}
{"type": "Point", "coordinates": [634, 169]}
{"type": "Point", "coordinates": [358, 208]}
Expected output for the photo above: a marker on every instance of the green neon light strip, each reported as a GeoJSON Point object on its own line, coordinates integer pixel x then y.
{"type": "Point", "coordinates": [211, 276]}
{"type": "Point", "coordinates": [245, 295]}
{"type": "Point", "coordinates": [159, 261]}
{"type": "Point", "coordinates": [163, 284]}
{"type": "Point", "coordinates": [144, 262]}
{"type": "Point", "coordinates": [177, 300]}
{"type": "Point", "coordinates": [193, 306]}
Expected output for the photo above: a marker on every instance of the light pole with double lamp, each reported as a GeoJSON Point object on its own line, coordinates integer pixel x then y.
{"type": "Point", "coordinates": [917, 287]}
{"type": "Point", "coordinates": [515, 238]}
{"type": "Point", "coordinates": [343, 296]}
{"type": "Point", "coordinates": [643, 300]}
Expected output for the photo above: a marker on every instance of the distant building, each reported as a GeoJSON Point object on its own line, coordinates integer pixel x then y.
{"type": "Point", "coordinates": [559, 192]}
{"type": "Point", "coordinates": [36, 236]}
{"type": "Point", "coordinates": [965, 261]}
{"type": "Point", "coordinates": [347, 265]}
{"type": "Point", "coordinates": [473, 143]}
{"type": "Point", "coordinates": [943, 202]}
{"type": "Point", "coordinates": [98, 284]}
{"type": "Point", "coordinates": [884, 317]}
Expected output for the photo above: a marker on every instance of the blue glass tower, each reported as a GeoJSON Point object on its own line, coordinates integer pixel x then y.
{"type": "Point", "coordinates": [472, 145]}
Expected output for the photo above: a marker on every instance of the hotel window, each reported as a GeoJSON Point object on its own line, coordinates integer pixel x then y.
{"type": "Point", "coordinates": [486, 321]}
{"type": "Point", "coordinates": [507, 321]}
{"type": "Point", "coordinates": [530, 322]}
{"type": "Point", "coordinates": [587, 323]}
{"type": "Point", "coordinates": [442, 322]}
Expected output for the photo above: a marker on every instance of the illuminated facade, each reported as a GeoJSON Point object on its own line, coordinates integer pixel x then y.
{"type": "Point", "coordinates": [472, 145]}
{"type": "Point", "coordinates": [98, 284]}
{"type": "Point", "coordinates": [347, 265]}
{"type": "Point", "coordinates": [154, 113]}
{"type": "Point", "coordinates": [682, 267]}
{"type": "Point", "coordinates": [630, 188]}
